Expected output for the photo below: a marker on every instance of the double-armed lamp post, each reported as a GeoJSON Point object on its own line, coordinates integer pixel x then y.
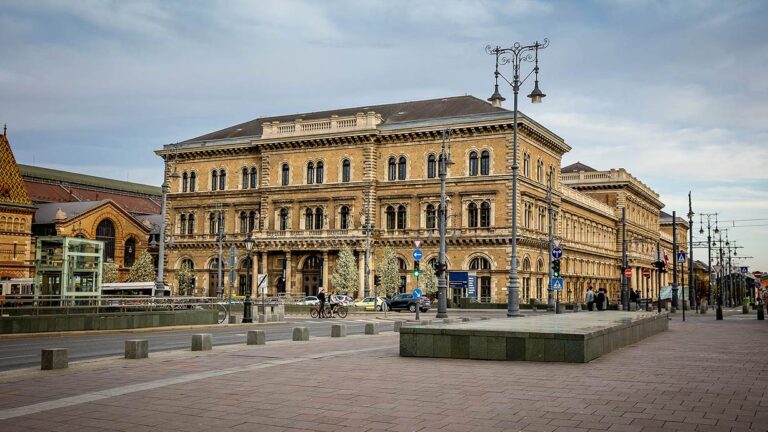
{"type": "Point", "coordinates": [515, 55]}
{"type": "Point", "coordinates": [247, 315]}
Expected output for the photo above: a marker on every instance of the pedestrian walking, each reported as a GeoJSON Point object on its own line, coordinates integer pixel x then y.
{"type": "Point", "coordinates": [321, 297]}
{"type": "Point", "coordinates": [590, 298]}
{"type": "Point", "coordinates": [600, 299]}
{"type": "Point", "coordinates": [633, 296]}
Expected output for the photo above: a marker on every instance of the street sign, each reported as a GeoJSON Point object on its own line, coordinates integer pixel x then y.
{"type": "Point", "coordinates": [556, 243]}
{"type": "Point", "coordinates": [262, 283]}
{"type": "Point", "coordinates": [646, 273]}
{"type": "Point", "coordinates": [628, 272]}
{"type": "Point", "coordinates": [557, 253]}
{"type": "Point", "coordinates": [417, 254]}
{"type": "Point", "coordinates": [557, 284]}
{"type": "Point", "coordinates": [718, 268]}
{"type": "Point", "coordinates": [681, 257]}
{"type": "Point", "coordinates": [417, 243]}
{"type": "Point", "coordinates": [744, 269]}
{"type": "Point", "coordinates": [757, 274]}
{"type": "Point", "coordinates": [416, 293]}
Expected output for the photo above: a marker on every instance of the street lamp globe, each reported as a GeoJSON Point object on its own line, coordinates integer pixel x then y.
{"type": "Point", "coordinates": [536, 95]}
{"type": "Point", "coordinates": [249, 243]}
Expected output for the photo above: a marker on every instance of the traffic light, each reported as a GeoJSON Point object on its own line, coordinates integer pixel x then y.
{"type": "Point", "coordinates": [416, 271]}
{"type": "Point", "coordinates": [661, 265]}
{"type": "Point", "coordinates": [376, 280]}
{"type": "Point", "coordinates": [556, 268]}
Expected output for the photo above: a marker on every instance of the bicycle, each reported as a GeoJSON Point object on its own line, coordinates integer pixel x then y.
{"type": "Point", "coordinates": [340, 311]}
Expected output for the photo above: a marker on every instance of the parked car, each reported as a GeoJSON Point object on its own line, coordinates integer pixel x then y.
{"type": "Point", "coordinates": [345, 299]}
{"type": "Point", "coordinates": [309, 300]}
{"type": "Point", "coordinates": [402, 302]}
{"type": "Point", "coordinates": [368, 303]}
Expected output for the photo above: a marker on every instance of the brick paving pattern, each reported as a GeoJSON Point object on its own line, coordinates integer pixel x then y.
{"type": "Point", "coordinates": [701, 375]}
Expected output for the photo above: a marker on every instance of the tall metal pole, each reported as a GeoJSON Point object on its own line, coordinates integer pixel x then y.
{"type": "Point", "coordinates": [220, 233]}
{"type": "Point", "coordinates": [442, 303]}
{"type": "Point", "coordinates": [720, 297]}
{"type": "Point", "coordinates": [730, 273]}
{"type": "Point", "coordinates": [367, 228]}
{"type": "Point", "coordinates": [159, 285]}
{"type": "Point", "coordinates": [691, 275]}
{"type": "Point", "coordinates": [709, 264]}
{"type": "Point", "coordinates": [551, 303]}
{"type": "Point", "coordinates": [624, 282]}
{"type": "Point", "coordinates": [674, 264]}
{"type": "Point", "coordinates": [658, 272]}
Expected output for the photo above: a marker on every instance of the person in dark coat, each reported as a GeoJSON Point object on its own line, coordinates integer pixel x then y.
{"type": "Point", "coordinates": [600, 299]}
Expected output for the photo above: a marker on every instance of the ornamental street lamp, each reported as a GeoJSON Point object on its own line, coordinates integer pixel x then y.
{"type": "Point", "coordinates": [515, 55]}
{"type": "Point", "coordinates": [247, 316]}
{"type": "Point", "coordinates": [159, 284]}
{"type": "Point", "coordinates": [442, 277]}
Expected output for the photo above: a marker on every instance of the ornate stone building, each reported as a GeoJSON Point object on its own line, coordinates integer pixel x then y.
{"type": "Point", "coordinates": [304, 185]}
{"type": "Point", "coordinates": [16, 212]}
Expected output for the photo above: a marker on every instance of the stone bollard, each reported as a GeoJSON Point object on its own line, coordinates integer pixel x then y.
{"type": "Point", "coordinates": [256, 337]}
{"type": "Point", "coordinates": [533, 308]}
{"type": "Point", "coordinates": [202, 342]}
{"type": "Point", "coordinates": [136, 349]}
{"type": "Point", "coordinates": [371, 328]}
{"type": "Point", "coordinates": [560, 308]}
{"type": "Point", "coordinates": [484, 318]}
{"type": "Point", "coordinates": [450, 321]}
{"type": "Point", "coordinates": [54, 358]}
{"type": "Point", "coordinates": [301, 333]}
{"type": "Point", "coordinates": [466, 319]}
{"type": "Point", "coordinates": [339, 330]}
{"type": "Point", "coordinates": [649, 308]}
{"type": "Point", "coordinates": [397, 326]}
{"type": "Point", "coordinates": [263, 319]}
{"type": "Point", "coordinates": [702, 309]}
{"type": "Point", "coordinates": [632, 307]}
{"type": "Point", "coordinates": [577, 307]}
{"type": "Point", "coordinates": [744, 309]}
{"type": "Point", "coordinates": [760, 313]}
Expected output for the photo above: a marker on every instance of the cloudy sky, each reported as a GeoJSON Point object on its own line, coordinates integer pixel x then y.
{"type": "Point", "coordinates": [672, 91]}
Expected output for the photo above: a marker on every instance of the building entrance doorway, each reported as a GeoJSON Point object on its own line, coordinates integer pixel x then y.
{"type": "Point", "coordinates": [213, 278]}
{"type": "Point", "coordinates": [312, 275]}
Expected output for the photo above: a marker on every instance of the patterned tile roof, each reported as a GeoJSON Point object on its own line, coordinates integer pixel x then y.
{"type": "Point", "coordinates": [12, 190]}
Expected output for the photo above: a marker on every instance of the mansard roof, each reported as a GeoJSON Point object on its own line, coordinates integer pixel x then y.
{"type": "Point", "coordinates": [576, 167]}
{"type": "Point", "coordinates": [390, 113]}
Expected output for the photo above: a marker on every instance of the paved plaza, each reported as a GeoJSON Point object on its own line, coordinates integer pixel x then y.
{"type": "Point", "coordinates": [701, 375]}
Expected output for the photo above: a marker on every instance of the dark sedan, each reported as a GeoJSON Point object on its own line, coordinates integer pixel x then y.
{"type": "Point", "coordinates": [407, 302]}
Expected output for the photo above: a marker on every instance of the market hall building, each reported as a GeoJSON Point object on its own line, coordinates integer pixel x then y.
{"type": "Point", "coordinates": [304, 184]}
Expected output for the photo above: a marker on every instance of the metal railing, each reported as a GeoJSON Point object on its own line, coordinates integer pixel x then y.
{"type": "Point", "coordinates": [24, 305]}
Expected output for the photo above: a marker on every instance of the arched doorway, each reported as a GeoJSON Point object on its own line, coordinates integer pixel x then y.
{"type": "Point", "coordinates": [213, 277]}
{"type": "Point", "coordinates": [311, 275]}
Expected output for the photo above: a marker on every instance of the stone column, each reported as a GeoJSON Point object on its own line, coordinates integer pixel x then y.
{"type": "Point", "coordinates": [325, 271]}
{"type": "Point", "coordinates": [361, 272]}
{"type": "Point", "coordinates": [288, 273]}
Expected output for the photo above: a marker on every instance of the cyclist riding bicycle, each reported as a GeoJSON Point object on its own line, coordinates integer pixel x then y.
{"type": "Point", "coordinates": [333, 300]}
{"type": "Point", "coordinates": [321, 297]}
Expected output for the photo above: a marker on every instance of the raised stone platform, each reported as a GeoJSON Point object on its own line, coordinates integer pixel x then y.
{"type": "Point", "coordinates": [572, 338]}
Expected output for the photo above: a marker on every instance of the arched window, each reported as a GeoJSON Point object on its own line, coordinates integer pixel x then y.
{"type": "Point", "coordinates": [214, 180]}
{"type": "Point", "coordinates": [251, 220]}
{"type": "Point", "coordinates": [283, 219]}
{"type": "Point", "coordinates": [344, 217]}
{"type": "Point", "coordinates": [191, 224]}
{"type": "Point", "coordinates": [183, 224]}
{"type": "Point", "coordinates": [391, 169]}
{"type": "Point", "coordinates": [401, 217]}
{"type": "Point", "coordinates": [401, 168]}
{"type": "Point", "coordinates": [472, 215]}
{"type": "Point", "coordinates": [222, 180]}
{"type": "Point", "coordinates": [286, 175]}
{"type": "Point", "coordinates": [402, 264]}
{"type": "Point", "coordinates": [105, 232]}
{"type": "Point", "coordinates": [129, 255]}
{"type": "Point", "coordinates": [485, 214]}
{"type": "Point", "coordinates": [310, 172]}
{"type": "Point", "coordinates": [318, 218]}
{"type": "Point", "coordinates": [308, 219]}
{"type": "Point", "coordinates": [430, 216]}
{"type": "Point", "coordinates": [245, 178]}
{"type": "Point", "coordinates": [539, 171]}
{"type": "Point", "coordinates": [431, 166]}
{"type": "Point", "coordinates": [345, 170]}
{"type": "Point", "coordinates": [254, 177]}
{"type": "Point", "coordinates": [243, 222]}
{"type": "Point", "coordinates": [184, 182]}
{"type": "Point", "coordinates": [319, 173]}
{"type": "Point", "coordinates": [390, 218]}
{"type": "Point", "coordinates": [473, 163]}
{"type": "Point", "coordinates": [212, 223]}
{"type": "Point", "coordinates": [485, 163]}
{"type": "Point", "coordinates": [192, 181]}
{"type": "Point", "coordinates": [479, 263]}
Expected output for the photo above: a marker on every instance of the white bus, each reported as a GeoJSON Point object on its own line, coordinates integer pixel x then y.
{"type": "Point", "coordinates": [130, 289]}
{"type": "Point", "coordinates": [14, 287]}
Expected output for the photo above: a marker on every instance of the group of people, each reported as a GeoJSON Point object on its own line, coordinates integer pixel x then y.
{"type": "Point", "coordinates": [333, 302]}
{"type": "Point", "coordinates": [599, 300]}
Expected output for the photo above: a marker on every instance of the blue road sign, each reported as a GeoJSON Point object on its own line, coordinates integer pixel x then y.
{"type": "Point", "coordinates": [681, 257]}
{"type": "Point", "coordinates": [557, 284]}
{"type": "Point", "coordinates": [557, 253]}
{"type": "Point", "coordinates": [418, 254]}
{"type": "Point", "coordinates": [745, 269]}
{"type": "Point", "coordinates": [416, 293]}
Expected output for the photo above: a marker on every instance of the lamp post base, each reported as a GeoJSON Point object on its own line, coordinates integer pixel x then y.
{"type": "Point", "coordinates": [247, 315]}
{"type": "Point", "coordinates": [719, 313]}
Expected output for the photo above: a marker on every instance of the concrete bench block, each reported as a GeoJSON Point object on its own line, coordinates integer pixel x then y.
{"type": "Point", "coordinates": [136, 349]}
{"type": "Point", "coordinates": [466, 319]}
{"type": "Point", "coordinates": [397, 326]}
{"type": "Point", "coordinates": [234, 319]}
{"type": "Point", "coordinates": [54, 358]}
{"type": "Point", "coordinates": [339, 330]}
{"type": "Point", "coordinates": [702, 309]}
{"type": "Point", "coordinates": [256, 337]}
{"type": "Point", "coordinates": [202, 342]}
{"type": "Point", "coordinates": [450, 320]}
{"type": "Point", "coordinates": [301, 333]}
{"type": "Point", "coordinates": [371, 328]}
{"type": "Point", "coordinates": [633, 307]}
{"type": "Point", "coordinates": [744, 309]}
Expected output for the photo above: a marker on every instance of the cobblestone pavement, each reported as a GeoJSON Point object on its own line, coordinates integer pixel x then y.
{"type": "Point", "coordinates": [701, 375]}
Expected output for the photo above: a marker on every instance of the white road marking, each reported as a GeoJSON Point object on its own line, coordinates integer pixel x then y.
{"type": "Point", "coordinates": [6, 358]}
